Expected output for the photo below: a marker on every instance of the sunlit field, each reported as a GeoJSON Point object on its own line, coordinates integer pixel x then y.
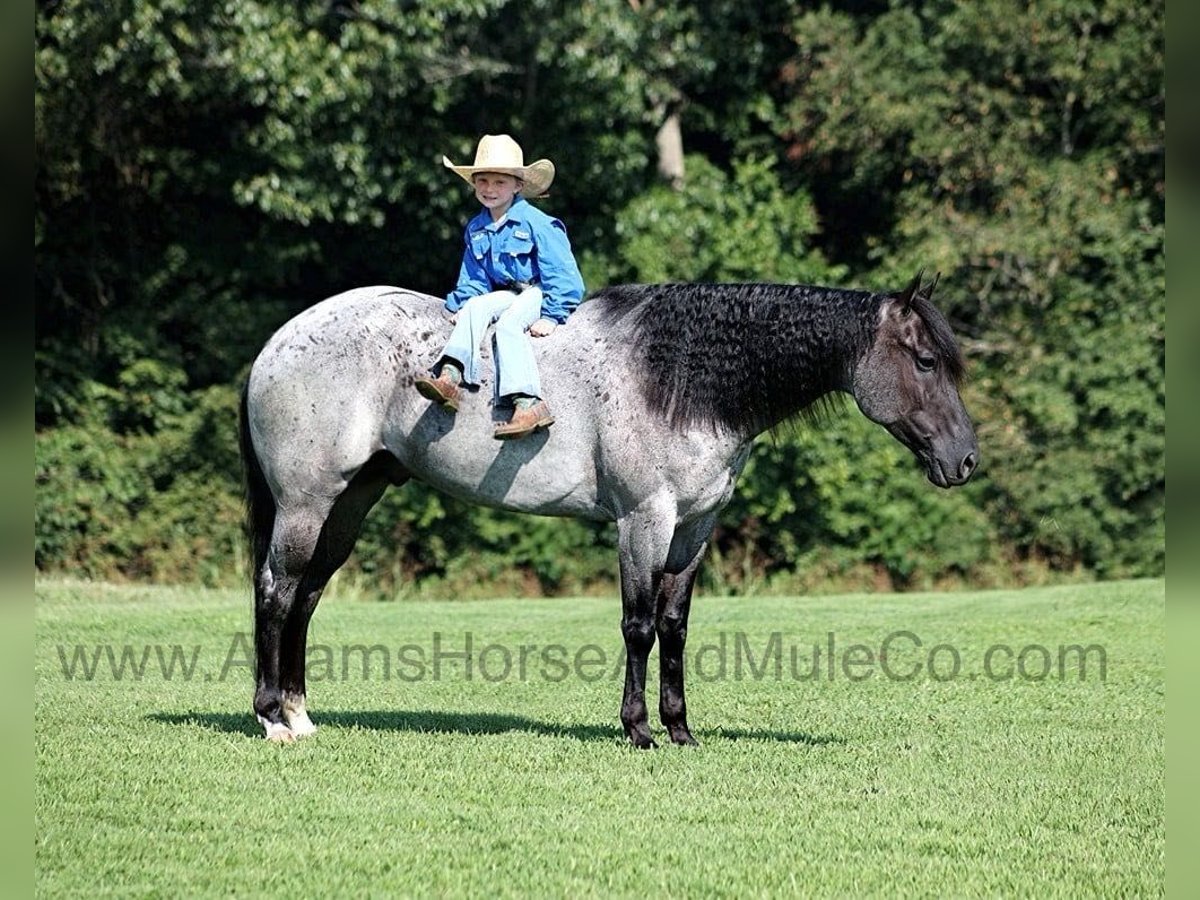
{"type": "Point", "coordinates": [953, 744]}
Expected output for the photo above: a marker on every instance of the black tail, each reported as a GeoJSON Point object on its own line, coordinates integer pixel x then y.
{"type": "Point", "coordinates": [260, 505]}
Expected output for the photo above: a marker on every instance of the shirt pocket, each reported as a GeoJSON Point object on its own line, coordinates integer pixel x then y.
{"type": "Point", "coordinates": [519, 255]}
{"type": "Point", "coordinates": [518, 248]}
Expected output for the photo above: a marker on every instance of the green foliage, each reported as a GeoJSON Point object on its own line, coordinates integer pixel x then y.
{"type": "Point", "coordinates": [832, 499]}
{"type": "Point", "coordinates": [743, 227]}
{"type": "Point", "coordinates": [452, 549]}
{"type": "Point", "coordinates": [1019, 150]}
{"type": "Point", "coordinates": [205, 170]}
{"type": "Point", "coordinates": [151, 492]}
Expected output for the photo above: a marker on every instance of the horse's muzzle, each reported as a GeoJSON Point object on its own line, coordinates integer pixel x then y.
{"type": "Point", "coordinates": [954, 475]}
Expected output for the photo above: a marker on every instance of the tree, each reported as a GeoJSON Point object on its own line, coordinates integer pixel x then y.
{"type": "Point", "coordinates": [205, 170]}
{"type": "Point", "coordinates": [1019, 150]}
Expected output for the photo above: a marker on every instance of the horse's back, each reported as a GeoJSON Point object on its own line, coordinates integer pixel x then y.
{"type": "Point", "coordinates": [331, 337]}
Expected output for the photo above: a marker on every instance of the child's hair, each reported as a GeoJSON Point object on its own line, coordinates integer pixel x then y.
{"type": "Point", "coordinates": [516, 178]}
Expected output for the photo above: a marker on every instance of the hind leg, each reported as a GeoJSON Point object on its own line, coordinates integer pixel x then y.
{"type": "Point", "coordinates": [334, 544]}
{"type": "Point", "coordinates": [277, 586]}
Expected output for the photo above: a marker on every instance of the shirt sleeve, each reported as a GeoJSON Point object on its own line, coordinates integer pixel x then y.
{"type": "Point", "coordinates": [472, 279]}
{"type": "Point", "coordinates": [558, 273]}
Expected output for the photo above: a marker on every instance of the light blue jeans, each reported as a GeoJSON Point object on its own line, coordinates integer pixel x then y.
{"type": "Point", "coordinates": [513, 314]}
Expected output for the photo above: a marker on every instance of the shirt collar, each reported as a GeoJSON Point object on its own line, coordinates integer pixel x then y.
{"type": "Point", "coordinates": [516, 213]}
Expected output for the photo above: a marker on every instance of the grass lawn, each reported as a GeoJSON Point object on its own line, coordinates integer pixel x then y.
{"type": "Point", "coordinates": [517, 780]}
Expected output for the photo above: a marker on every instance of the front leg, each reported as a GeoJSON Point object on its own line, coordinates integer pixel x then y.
{"type": "Point", "coordinates": [644, 539]}
{"type": "Point", "coordinates": [671, 622]}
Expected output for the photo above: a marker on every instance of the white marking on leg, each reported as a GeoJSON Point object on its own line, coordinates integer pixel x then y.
{"type": "Point", "coordinates": [277, 731]}
{"type": "Point", "coordinates": [296, 714]}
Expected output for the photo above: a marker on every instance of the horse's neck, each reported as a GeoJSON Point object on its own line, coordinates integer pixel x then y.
{"type": "Point", "coordinates": [812, 351]}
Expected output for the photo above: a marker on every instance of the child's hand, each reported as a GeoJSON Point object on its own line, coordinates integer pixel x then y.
{"type": "Point", "coordinates": [542, 327]}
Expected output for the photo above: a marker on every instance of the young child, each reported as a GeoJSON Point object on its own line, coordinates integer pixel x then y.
{"type": "Point", "coordinates": [517, 271]}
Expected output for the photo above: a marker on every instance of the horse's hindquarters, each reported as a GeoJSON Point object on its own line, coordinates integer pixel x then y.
{"type": "Point", "coordinates": [320, 391]}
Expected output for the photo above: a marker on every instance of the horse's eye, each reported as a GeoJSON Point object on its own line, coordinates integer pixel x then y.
{"type": "Point", "coordinates": [926, 363]}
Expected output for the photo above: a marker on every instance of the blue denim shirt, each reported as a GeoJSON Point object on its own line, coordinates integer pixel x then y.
{"type": "Point", "coordinates": [526, 245]}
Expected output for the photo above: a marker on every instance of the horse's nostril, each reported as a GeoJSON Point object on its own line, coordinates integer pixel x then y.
{"type": "Point", "coordinates": [967, 466]}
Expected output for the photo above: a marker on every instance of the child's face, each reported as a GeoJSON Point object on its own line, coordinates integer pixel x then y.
{"type": "Point", "coordinates": [495, 191]}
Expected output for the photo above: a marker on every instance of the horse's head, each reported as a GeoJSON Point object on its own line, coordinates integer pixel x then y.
{"type": "Point", "coordinates": [907, 381]}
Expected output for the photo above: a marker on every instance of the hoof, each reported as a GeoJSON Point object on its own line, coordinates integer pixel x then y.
{"type": "Point", "coordinates": [296, 716]}
{"type": "Point", "coordinates": [302, 726]}
{"type": "Point", "coordinates": [683, 738]}
{"type": "Point", "coordinates": [642, 740]}
{"type": "Point", "coordinates": [277, 732]}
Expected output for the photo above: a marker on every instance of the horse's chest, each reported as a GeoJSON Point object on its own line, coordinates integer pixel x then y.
{"type": "Point", "coordinates": [699, 478]}
{"type": "Point", "coordinates": [710, 488]}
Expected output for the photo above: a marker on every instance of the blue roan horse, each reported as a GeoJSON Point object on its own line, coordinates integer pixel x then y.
{"type": "Point", "coordinates": [659, 391]}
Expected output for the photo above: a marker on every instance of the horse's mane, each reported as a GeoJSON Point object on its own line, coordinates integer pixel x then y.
{"type": "Point", "coordinates": [743, 356]}
{"type": "Point", "coordinates": [749, 356]}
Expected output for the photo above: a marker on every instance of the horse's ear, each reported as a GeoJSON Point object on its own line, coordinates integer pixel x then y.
{"type": "Point", "coordinates": [906, 295]}
{"type": "Point", "coordinates": [927, 292]}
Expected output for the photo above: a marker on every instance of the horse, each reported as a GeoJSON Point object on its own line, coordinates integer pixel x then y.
{"type": "Point", "coordinates": [659, 392]}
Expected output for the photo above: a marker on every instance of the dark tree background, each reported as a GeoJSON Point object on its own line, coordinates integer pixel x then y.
{"type": "Point", "coordinates": [205, 170]}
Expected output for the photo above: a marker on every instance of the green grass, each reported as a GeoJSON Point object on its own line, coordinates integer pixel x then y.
{"type": "Point", "coordinates": [468, 786]}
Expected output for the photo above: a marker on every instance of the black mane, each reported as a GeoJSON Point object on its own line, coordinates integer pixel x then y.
{"type": "Point", "coordinates": [742, 356]}
{"type": "Point", "coordinates": [749, 356]}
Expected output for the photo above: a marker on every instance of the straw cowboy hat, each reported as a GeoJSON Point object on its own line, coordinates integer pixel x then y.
{"type": "Point", "coordinates": [500, 153]}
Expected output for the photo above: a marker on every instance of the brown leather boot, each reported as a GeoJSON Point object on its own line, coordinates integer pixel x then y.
{"type": "Point", "coordinates": [440, 390]}
{"type": "Point", "coordinates": [525, 422]}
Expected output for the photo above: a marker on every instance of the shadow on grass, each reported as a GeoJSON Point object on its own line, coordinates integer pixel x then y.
{"type": "Point", "coordinates": [422, 721]}
{"type": "Point", "coordinates": [430, 721]}
{"type": "Point", "coordinates": [784, 737]}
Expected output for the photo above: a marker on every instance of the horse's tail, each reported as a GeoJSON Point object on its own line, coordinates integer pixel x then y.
{"type": "Point", "coordinates": [260, 505]}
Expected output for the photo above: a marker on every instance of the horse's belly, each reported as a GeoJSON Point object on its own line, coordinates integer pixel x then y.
{"type": "Point", "coordinates": [536, 497]}
{"type": "Point", "coordinates": [547, 473]}
{"type": "Point", "coordinates": [529, 491]}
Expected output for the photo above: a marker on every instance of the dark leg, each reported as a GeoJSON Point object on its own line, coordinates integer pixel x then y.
{"type": "Point", "coordinates": [276, 586]}
{"type": "Point", "coordinates": [644, 539]}
{"type": "Point", "coordinates": [637, 627]}
{"type": "Point", "coordinates": [308, 544]}
{"type": "Point", "coordinates": [334, 545]}
{"type": "Point", "coordinates": [674, 603]}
